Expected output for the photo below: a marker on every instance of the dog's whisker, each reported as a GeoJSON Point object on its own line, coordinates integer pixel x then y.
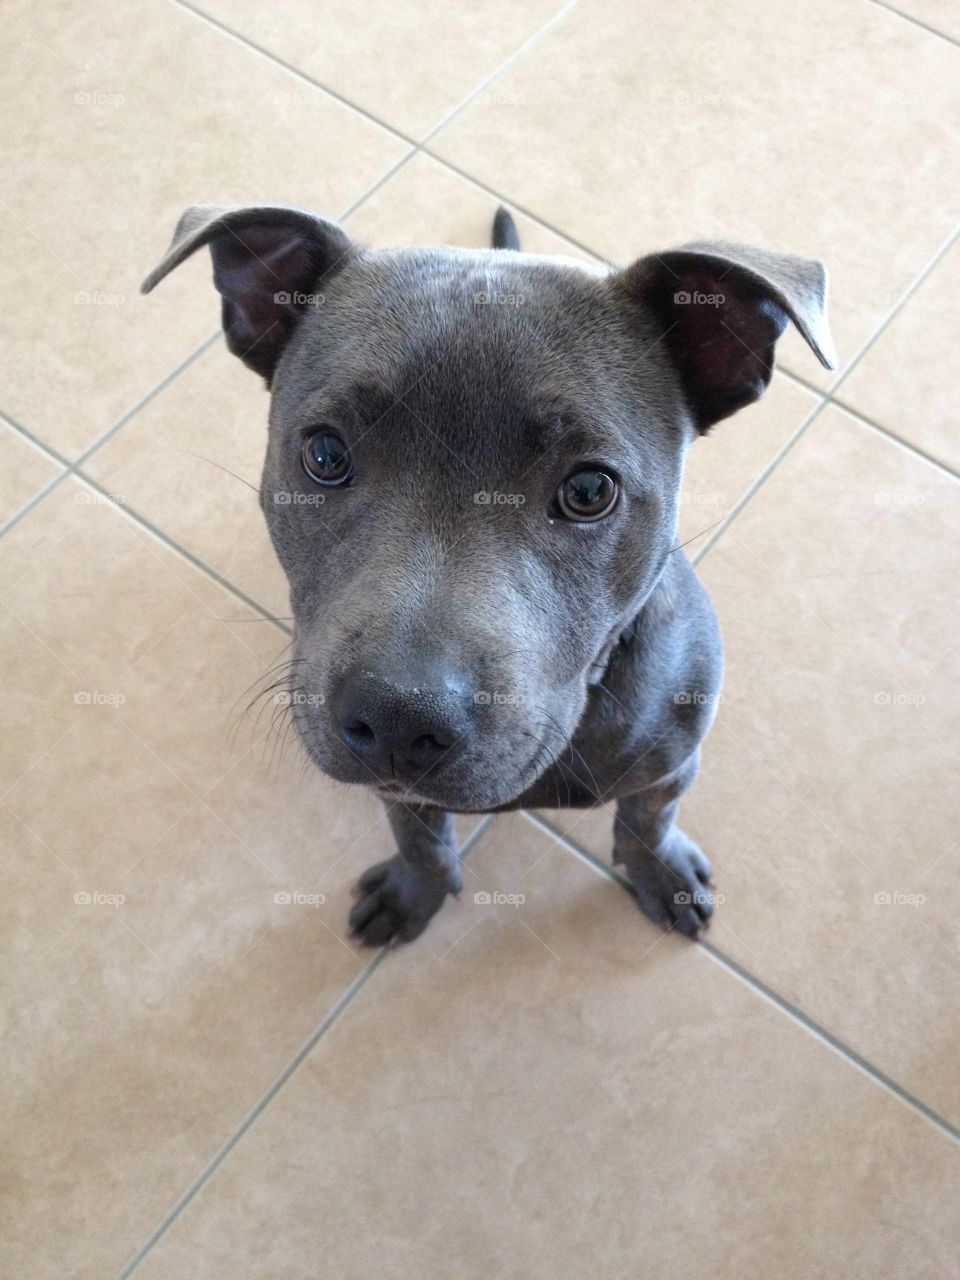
{"type": "Point", "coordinates": [681, 545]}
{"type": "Point", "coordinates": [220, 466]}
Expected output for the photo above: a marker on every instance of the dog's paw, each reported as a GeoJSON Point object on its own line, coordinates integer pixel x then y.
{"type": "Point", "coordinates": [675, 886]}
{"type": "Point", "coordinates": [395, 902]}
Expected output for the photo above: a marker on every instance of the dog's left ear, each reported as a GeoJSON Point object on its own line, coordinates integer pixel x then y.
{"type": "Point", "coordinates": [720, 309]}
{"type": "Point", "coordinates": [268, 262]}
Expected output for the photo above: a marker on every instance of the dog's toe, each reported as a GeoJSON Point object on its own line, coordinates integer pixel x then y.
{"type": "Point", "coordinates": [674, 887]}
{"type": "Point", "coordinates": [373, 877]}
{"type": "Point", "coordinates": [393, 904]}
{"type": "Point", "coordinates": [691, 912]}
{"type": "Point", "coordinates": [373, 920]}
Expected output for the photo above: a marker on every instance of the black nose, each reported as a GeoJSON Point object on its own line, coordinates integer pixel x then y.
{"type": "Point", "coordinates": [401, 728]}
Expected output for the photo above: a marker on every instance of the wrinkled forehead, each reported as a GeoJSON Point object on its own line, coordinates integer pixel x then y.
{"type": "Point", "coordinates": [418, 321]}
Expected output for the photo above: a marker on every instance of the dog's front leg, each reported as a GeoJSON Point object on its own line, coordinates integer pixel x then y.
{"type": "Point", "coordinates": [396, 899]}
{"type": "Point", "coordinates": [671, 878]}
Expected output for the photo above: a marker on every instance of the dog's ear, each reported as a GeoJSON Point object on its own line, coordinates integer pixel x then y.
{"type": "Point", "coordinates": [721, 308]}
{"type": "Point", "coordinates": [268, 266]}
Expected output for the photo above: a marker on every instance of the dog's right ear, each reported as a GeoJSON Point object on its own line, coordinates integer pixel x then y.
{"type": "Point", "coordinates": [720, 309]}
{"type": "Point", "coordinates": [268, 266]}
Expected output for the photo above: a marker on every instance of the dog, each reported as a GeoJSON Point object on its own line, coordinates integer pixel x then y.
{"type": "Point", "coordinates": [471, 481]}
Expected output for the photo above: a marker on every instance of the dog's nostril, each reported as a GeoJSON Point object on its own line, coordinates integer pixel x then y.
{"type": "Point", "coordinates": [357, 734]}
{"type": "Point", "coordinates": [429, 744]}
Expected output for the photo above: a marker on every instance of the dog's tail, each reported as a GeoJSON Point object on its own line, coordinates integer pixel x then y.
{"type": "Point", "coordinates": [505, 233]}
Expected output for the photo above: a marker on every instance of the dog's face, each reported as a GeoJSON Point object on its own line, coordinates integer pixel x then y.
{"type": "Point", "coordinates": [502, 499]}
{"type": "Point", "coordinates": [472, 474]}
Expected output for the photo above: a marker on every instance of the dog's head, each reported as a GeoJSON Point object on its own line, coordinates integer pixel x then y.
{"type": "Point", "coordinates": [473, 470]}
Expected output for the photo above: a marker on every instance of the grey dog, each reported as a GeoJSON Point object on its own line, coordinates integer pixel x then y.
{"type": "Point", "coordinates": [471, 481]}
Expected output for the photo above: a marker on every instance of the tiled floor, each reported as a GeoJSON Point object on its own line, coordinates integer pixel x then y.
{"type": "Point", "coordinates": [206, 1080]}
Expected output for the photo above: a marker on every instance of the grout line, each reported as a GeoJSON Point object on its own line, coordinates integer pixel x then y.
{"type": "Point", "coordinates": [145, 400]}
{"type": "Point", "coordinates": [48, 449]}
{"type": "Point", "coordinates": [530, 42]}
{"type": "Point", "coordinates": [184, 552]}
{"type": "Point", "coordinates": [372, 191]}
{"type": "Point", "coordinates": [258, 1108]}
{"type": "Point", "coordinates": [882, 4]}
{"type": "Point", "coordinates": [892, 314]}
{"type": "Point", "coordinates": [577, 850]}
{"type": "Point", "coordinates": [839, 1046]}
{"type": "Point", "coordinates": [785, 1006]}
{"type": "Point", "coordinates": [892, 436]}
{"type": "Point", "coordinates": [760, 480]}
{"type": "Point", "coordinates": [345, 1000]}
{"type": "Point", "coordinates": [49, 452]}
{"type": "Point", "coordinates": [202, 16]}
{"type": "Point", "coordinates": [33, 502]}
{"type": "Point", "coordinates": [527, 213]}
{"type": "Point", "coordinates": [866, 421]}
{"type": "Point", "coordinates": [799, 380]}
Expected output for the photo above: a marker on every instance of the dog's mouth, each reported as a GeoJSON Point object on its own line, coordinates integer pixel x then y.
{"type": "Point", "coordinates": [491, 774]}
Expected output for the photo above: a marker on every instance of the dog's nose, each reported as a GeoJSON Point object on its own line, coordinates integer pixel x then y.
{"type": "Point", "coordinates": [401, 728]}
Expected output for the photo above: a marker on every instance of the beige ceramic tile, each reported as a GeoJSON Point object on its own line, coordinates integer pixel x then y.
{"type": "Point", "coordinates": [427, 203]}
{"type": "Point", "coordinates": [75, 573]}
{"type": "Point", "coordinates": [176, 891]}
{"type": "Point", "coordinates": [553, 1089]}
{"type": "Point", "coordinates": [24, 471]}
{"type": "Point", "coordinates": [190, 462]}
{"type": "Point", "coordinates": [907, 381]}
{"type": "Point", "coordinates": [36, 696]}
{"type": "Point", "coordinates": [826, 797]}
{"type": "Point", "coordinates": [123, 119]}
{"type": "Point", "coordinates": [409, 63]}
{"type": "Point", "coordinates": [941, 15]}
{"type": "Point", "coordinates": [819, 129]}
{"type": "Point", "coordinates": [721, 466]}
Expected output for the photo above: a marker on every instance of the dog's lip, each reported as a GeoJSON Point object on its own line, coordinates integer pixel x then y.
{"type": "Point", "coordinates": [409, 794]}
{"type": "Point", "coordinates": [395, 793]}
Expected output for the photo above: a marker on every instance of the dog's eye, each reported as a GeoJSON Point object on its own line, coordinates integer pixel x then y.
{"type": "Point", "coordinates": [589, 494]}
{"type": "Point", "coordinates": [326, 458]}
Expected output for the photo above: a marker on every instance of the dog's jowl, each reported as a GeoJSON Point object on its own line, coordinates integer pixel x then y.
{"type": "Point", "coordinates": [472, 483]}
